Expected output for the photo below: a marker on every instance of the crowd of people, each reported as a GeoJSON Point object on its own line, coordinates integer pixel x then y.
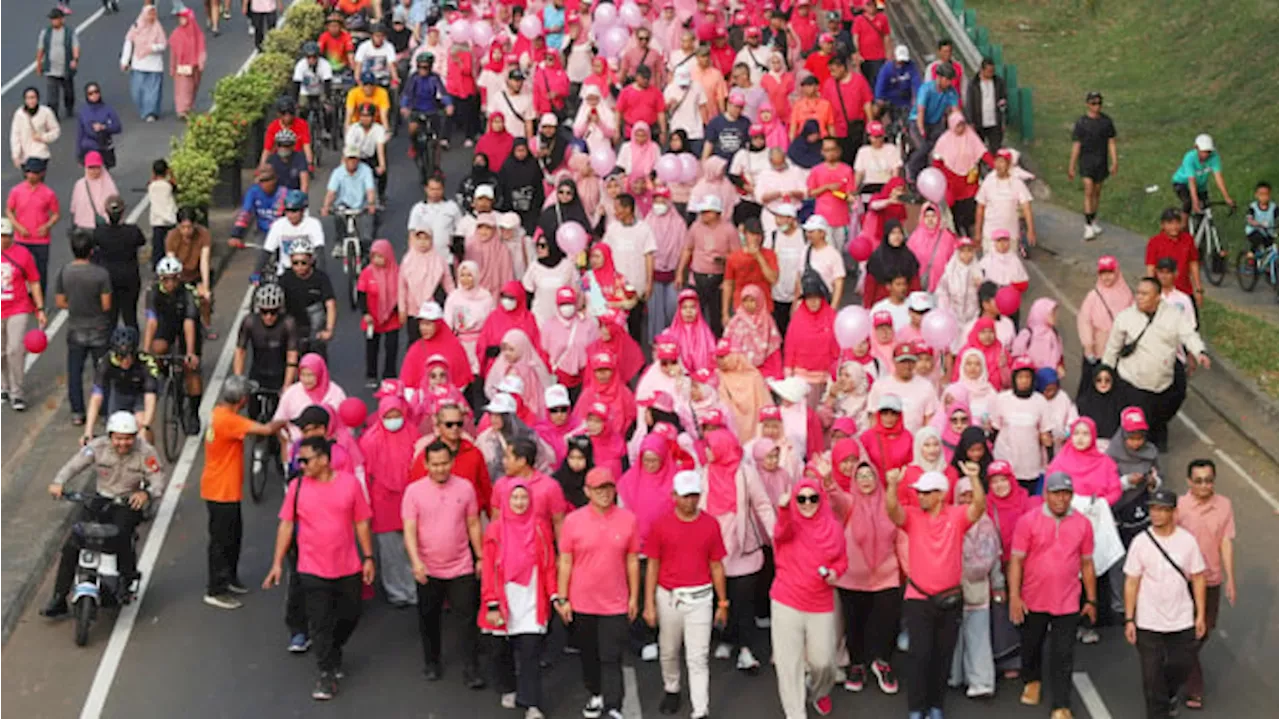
{"type": "Point", "coordinates": [685, 360]}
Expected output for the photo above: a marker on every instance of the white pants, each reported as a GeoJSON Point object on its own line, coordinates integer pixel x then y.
{"type": "Point", "coordinates": [14, 354]}
{"type": "Point", "coordinates": [800, 640]}
{"type": "Point", "coordinates": [682, 620]}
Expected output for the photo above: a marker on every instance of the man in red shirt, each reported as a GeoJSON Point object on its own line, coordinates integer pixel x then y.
{"type": "Point", "coordinates": [20, 297]}
{"type": "Point", "coordinates": [750, 265]}
{"type": "Point", "coordinates": [1173, 241]}
{"type": "Point", "coordinates": [33, 209]}
{"type": "Point", "coordinates": [287, 119]}
{"type": "Point", "coordinates": [816, 63]}
{"type": "Point", "coordinates": [336, 44]}
{"type": "Point", "coordinates": [851, 100]}
{"type": "Point", "coordinates": [468, 461]}
{"type": "Point", "coordinates": [642, 101]}
{"type": "Point", "coordinates": [870, 30]}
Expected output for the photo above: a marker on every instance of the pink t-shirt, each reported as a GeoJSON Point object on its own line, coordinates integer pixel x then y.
{"type": "Point", "coordinates": [1002, 199]}
{"type": "Point", "coordinates": [441, 511]}
{"type": "Point", "coordinates": [936, 546]}
{"type": "Point", "coordinates": [832, 208]}
{"type": "Point", "coordinates": [636, 105]}
{"type": "Point", "coordinates": [919, 398]}
{"type": "Point", "coordinates": [1164, 601]}
{"type": "Point", "coordinates": [829, 265]}
{"type": "Point", "coordinates": [32, 207]}
{"type": "Point", "coordinates": [1020, 422]}
{"type": "Point", "coordinates": [1210, 522]}
{"type": "Point", "coordinates": [17, 268]}
{"type": "Point", "coordinates": [548, 497]}
{"type": "Point", "coordinates": [326, 519]}
{"type": "Point", "coordinates": [1052, 549]}
{"type": "Point", "coordinates": [599, 543]}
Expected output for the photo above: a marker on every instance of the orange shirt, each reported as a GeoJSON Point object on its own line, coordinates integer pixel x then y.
{"type": "Point", "coordinates": [812, 108]}
{"type": "Point", "coordinates": [742, 270]}
{"type": "Point", "coordinates": [223, 477]}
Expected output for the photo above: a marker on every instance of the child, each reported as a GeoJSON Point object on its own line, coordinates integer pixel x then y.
{"type": "Point", "coordinates": [1005, 328]}
{"type": "Point", "coordinates": [1040, 340]}
{"type": "Point", "coordinates": [164, 208]}
{"type": "Point", "coordinates": [957, 289]}
{"type": "Point", "coordinates": [1003, 266]}
{"type": "Point", "coordinates": [1062, 411]}
{"type": "Point", "coordinates": [1260, 222]}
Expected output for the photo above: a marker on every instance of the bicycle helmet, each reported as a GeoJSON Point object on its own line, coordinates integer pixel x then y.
{"type": "Point", "coordinates": [268, 297]}
{"type": "Point", "coordinates": [427, 59]}
{"type": "Point", "coordinates": [310, 48]}
{"type": "Point", "coordinates": [378, 28]}
{"type": "Point", "coordinates": [122, 423]}
{"type": "Point", "coordinates": [168, 266]}
{"type": "Point", "coordinates": [286, 137]}
{"type": "Point", "coordinates": [286, 105]}
{"type": "Point", "coordinates": [368, 78]}
{"type": "Point", "coordinates": [301, 246]}
{"type": "Point", "coordinates": [295, 200]}
{"type": "Point", "coordinates": [124, 340]}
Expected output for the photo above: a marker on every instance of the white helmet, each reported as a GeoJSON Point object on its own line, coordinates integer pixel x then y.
{"type": "Point", "coordinates": [122, 423]}
{"type": "Point", "coordinates": [1204, 142]}
{"type": "Point", "coordinates": [300, 246]}
{"type": "Point", "coordinates": [168, 266]}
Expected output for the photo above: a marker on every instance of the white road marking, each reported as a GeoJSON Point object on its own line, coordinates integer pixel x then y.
{"type": "Point", "coordinates": [50, 331]}
{"type": "Point", "coordinates": [1090, 696]}
{"type": "Point", "coordinates": [96, 701]}
{"type": "Point", "coordinates": [630, 693]}
{"type": "Point", "coordinates": [32, 67]}
{"type": "Point", "coordinates": [1248, 478]}
{"type": "Point", "coordinates": [1195, 428]}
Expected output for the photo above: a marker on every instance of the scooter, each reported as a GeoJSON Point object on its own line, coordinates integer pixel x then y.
{"type": "Point", "coordinates": [98, 583]}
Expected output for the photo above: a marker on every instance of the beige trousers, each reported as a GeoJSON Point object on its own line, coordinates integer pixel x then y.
{"type": "Point", "coordinates": [14, 354]}
{"type": "Point", "coordinates": [686, 621]}
{"type": "Point", "coordinates": [800, 640]}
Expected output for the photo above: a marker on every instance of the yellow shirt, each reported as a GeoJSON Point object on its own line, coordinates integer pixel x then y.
{"type": "Point", "coordinates": [357, 97]}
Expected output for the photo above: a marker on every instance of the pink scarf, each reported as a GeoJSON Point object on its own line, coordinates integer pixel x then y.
{"type": "Point", "coordinates": [755, 334]}
{"type": "Point", "coordinates": [186, 43]}
{"type": "Point", "coordinates": [722, 472]}
{"type": "Point", "coordinates": [625, 350]}
{"type": "Point", "coordinates": [566, 342]}
{"type": "Point", "coordinates": [388, 458]}
{"type": "Point", "coordinates": [644, 155]}
{"type": "Point", "coordinates": [814, 541]}
{"type": "Point", "coordinates": [869, 525]}
{"type": "Point", "coordinates": [777, 481]}
{"type": "Point", "coordinates": [385, 279]}
{"type": "Point", "coordinates": [320, 369]}
{"type": "Point", "coordinates": [960, 153]}
{"type": "Point", "coordinates": [648, 495]}
{"type": "Point", "coordinates": [494, 260]}
{"type": "Point", "coordinates": [775, 130]}
{"type": "Point", "coordinates": [421, 272]}
{"type": "Point", "coordinates": [713, 182]}
{"type": "Point", "coordinates": [614, 394]}
{"type": "Point", "coordinates": [1039, 340]}
{"type": "Point", "coordinates": [89, 199]}
{"type": "Point", "coordinates": [146, 33]}
{"type": "Point", "coordinates": [933, 248]}
{"type": "Point", "coordinates": [1092, 472]}
{"type": "Point", "coordinates": [527, 366]}
{"type": "Point", "coordinates": [519, 540]}
{"type": "Point", "coordinates": [697, 344]}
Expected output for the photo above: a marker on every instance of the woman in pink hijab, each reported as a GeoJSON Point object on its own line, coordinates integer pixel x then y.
{"type": "Point", "coordinates": [613, 338]}
{"type": "Point", "coordinates": [387, 445]}
{"type": "Point", "coordinates": [423, 271]}
{"type": "Point", "coordinates": [1098, 310]}
{"type": "Point", "coordinates": [608, 448]}
{"type": "Point", "coordinates": [646, 488]}
{"type": "Point", "coordinates": [691, 334]}
{"type": "Point", "coordinates": [89, 194]}
{"type": "Point", "coordinates": [313, 387]}
{"type": "Point", "coordinates": [766, 457]}
{"type": "Point", "coordinates": [933, 245]}
{"type": "Point", "coordinates": [779, 84]}
{"type": "Point", "coordinates": [466, 310]}
{"type": "Point", "coordinates": [485, 248]}
{"type": "Point", "coordinates": [567, 337]}
{"type": "Point", "coordinates": [187, 59]}
{"type": "Point", "coordinates": [742, 390]}
{"type": "Point", "coordinates": [638, 157]}
{"type": "Point", "coordinates": [602, 384]}
{"type": "Point", "coordinates": [512, 313]}
{"type": "Point", "coordinates": [1092, 472]}
{"type": "Point", "coordinates": [754, 332]}
{"type": "Point", "coordinates": [714, 182]}
{"type": "Point", "coordinates": [957, 153]}
{"type": "Point", "coordinates": [775, 130]}
{"type": "Point", "coordinates": [379, 290]}
{"type": "Point", "coordinates": [143, 57]}
{"type": "Point", "coordinates": [517, 357]}
{"type": "Point", "coordinates": [596, 123]}
{"type": "Point", "coordinates": [434, 338]}
{"type": "Point", "coordinates": [1039, 339]}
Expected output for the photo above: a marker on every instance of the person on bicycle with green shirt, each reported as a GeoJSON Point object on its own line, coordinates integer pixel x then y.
{"type": "Point", "coordinates": [172, 322]}
{"type": "Point", "coordinates": [1191, 179]}
{"type": "Point", "coordinates": [126, 380]}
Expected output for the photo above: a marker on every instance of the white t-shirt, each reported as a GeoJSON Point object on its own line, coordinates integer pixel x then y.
{"type": "Point", "coordinates": [828, 263]}
{"type": "Point", "coordinates": [686, 115]}
{"type": "Point", "coordinates": [790, 251]}
{"type": "Point", "coordinates": [630, 245]}
{"type": "Point", "coordinates": [366, 140]}
{"type": "Point", "coordinates": [543, 282]}
{"type": "Point", "coordinates": [503, 104]}
{"type": "Point", "coordinates": [988, 94]}
{"type": "Point", "coordinates": [283, 234]}
{"type": "Point", "coordinates": [441, 218]}
{"type": "Point", "coordinates": [756, 59]}
{"type": "Point", "coordinates": [901, 315]}
{"type": "Point", "coordinates": [877, 166]}
{"type": "Point", "coordinates": [749, 163]}
{"type": "Point", "coordinates": [380, 59]}
{"type": "Point", "coordinates": [312, 79]}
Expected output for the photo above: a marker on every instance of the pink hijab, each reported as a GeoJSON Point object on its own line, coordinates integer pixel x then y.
{"type": "Point", "coordinates": [519, 540]}
{"type": "Point", "coordinates": [1039, 340]}
{"type": "Point", "coordinates": [646, 494]}
{"type": "Point", "coordinates": [421, 271]}
{"type": "Point", "coordinates": [146, 33]}
{"type": "Point", "coordinates": [776, 482]}
{"type": "Point", "coordinates": [388, 457]}
{"type": "Point", "coordinates": [1092, 472]}
{"type": "Point", "coordinates": [722, 472]}
{"type": "Point", "coordinates": [933, 248]}
{"type": "Point", "coordinates": [868, 524]}
{"type": "Point", "coordinates": [697, 344]}
{"type": "Point", "coordinates": [714, 182]}
{"type": "Point", "coordinates": [755, 334]}
{"type": "Point", "coordinates": [644, 155]}
{"type": "Point", "coordinates": [493, 258]}
{"type": "Point", "coordinates": [186, 43]}
{"type": "Point", "coordinates": [385, 279]}
{"type": "Point", "coordinates": [814, 541]}
{"type": "Point", "coordinates": [960, 153]}
{"type": "Point", "coordinates": [527, 366]}
{"type": "Point", "coordinates": [775, 130]}
{"type": "Point", "coordinates": [621, 345]}
{"type": "Point", "coordinates": [567, 342]}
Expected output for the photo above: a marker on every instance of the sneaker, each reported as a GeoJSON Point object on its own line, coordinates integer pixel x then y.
{"type": "Point", "coordinates": [977, 692]}
{"type": "Point", "coordinates": [884, 677]}
{"type": "Point", "coordinates": [371, 383]}
{"type": "Point", "coordinates": [723, 651]}
{"type": "Point", "coordinates": [191, 422]}
{"type": "Point", "coordinates": [508, 700]}
{"type": "Point", "coordinates": [822, 705]}
{"type": "Point", "coordinates": [444, 144]}
{"type": "Point", "coordinates": [594, 707]}
{"type": "Point", "coordinates": [151, 118]}
{"type": "Point", "coordinates": [432, 672]}
{"type": "Point", "coordinates": [18, 404]}
{"type": "Point", "coordinates": [468, 143]}
{"type": "Point", "coordinates": [649, 653]}
{"type": "Point", "coordinates": [1097, 229]}
{"type": "Point", "coordinates": [326, 687]}
{"type": "Point", "coordinates": [1087, 635]}
{"type": "Point", "coordinates": [222, 601]}
{"type": "Point", "coordinates": [935, 712]}
{"type": "Point", "coordinates": [77, 419]}
{"type": "Point", "coordinates": [337, 251]}
{"type": "Point", "coordinates": [1089, 232]}
{"type": "Point", "coordinates": [55, 609]}
{"type": "Point", "coordinates": [299, 643]}
{"type": "Point", "coordinates": [237, 588]}
{"type": "Point", "coordinates": [857, 679]}
{"type": "Point", "coordinates": [747, 661]}
{"type": "Point", "coordinates": [670, 703]}
{"type": "Point", "coordinates": [533, 713]}
{"type": "Point", "coordinates": [763, 623]}
{"type": "Point", "coordinates": [571, 650]}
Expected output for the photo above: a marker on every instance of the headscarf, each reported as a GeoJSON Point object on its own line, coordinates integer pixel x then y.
{"type": "Point", "coordinates": [814, 540]}
{"type": "Point", "coordinates": [1039, 340]}
{"type": "Point", "coordinates": [776, 482]}
{"type": "Point", "coordinates": [606, 276]}
{"type": "Point", "coordinates": [624, 348]}
{"type": "Point", "coordinates": [386, 279]}
{"type": "Point", "coordinates": [888, 260]}
{"type": "Point", "coordinates": [519, 540]}
{"type": "Point", "coordinates": [968, 438]}
{"type": "Point", "coordinates": [917, 451]}
{"type": "Point", "coordinates": [755, 334]}
{"type": "Point", "coordinates": [521, 176]}
{"type": "Point", "coordinates": [528, 366]}
{"type": "Point", "coordinates": [443, 343]}
{"type": "Point", "coordinates": [388, 457]}
{"type": "Point", "coordinates": [714, 183]}
{"type": "Point", "coordinates": [493, 258]}
{"type": "Point", "coordinates": [1103, 409]}
{"type": "Point", "coordinates": [775, 130]}
{"type": "Point", "coordinates": [697, 344]}
{"type": "Point", "coordinates": [146, 33]}
{"type": "Point", "coordinates": [842, 450]}
{"type": "Point", "coordinates": [649, 495]}
{"type": "Point", "coordinates": [722, 472]}
{"type": "Point", "coordinates": [991, 355]}
{"type": "Point", "coordinates": [568, 342]}
{"type": "Point", "coordinates": [1092, 472]}
{"type": "Point", "coordinates": [571, 482]}
{"type": "Point", "coordinates": [932, 248]}
{"type": "Point", "coordinates": [91, 195]}
{"type": "Point", "coordinates": [959, 153]}
{"type": "Point", "coordinates": [881, 209]}
{"type": "Point", "coordinates": [561, 212]}
{"type": "Point", "coordinates": [644, 155]}
{"type": "Point", "coordinates": [981, 542]}
{"type": "Point", "coordinates": [804, 153]}
{"type": "Point", "coordinates": [614, 394]}
{"type": "Point", "coordinates": [495, 146]}
{"type": "Point", "coordinates": [1128, 461]}
{"type": "Point", "coordinates": [186, 43]}
{"type": "Point", "coordinates": [500, 320]}
{"type": "Point", "coordinates": [949, 436]}
{"type": "Point", "coordinates": [423, 269]}
{"type": "Point", "coordinates": [868, 524]}
{"type": "Point", "coordinates": [1007, 510]}
{"type": "Point", "coordinates": [1118, 296]}
{"type": "Point", "coordinates": [1002, 267]}
{"type": "Point", "coordinates": [317, 365]}
{"type": "Point", "coordinates": [744, 393]}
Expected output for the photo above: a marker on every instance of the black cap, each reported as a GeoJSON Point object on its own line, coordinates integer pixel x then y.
{"type": "Point", "coordinates": [1093, 95]}
{"type": "Point", "coordinates": [313, 415]}
{"type": "Point", "coordinates": [945, 70]}
{"type": "Point", "coordinates": [35, 164]}
{"type": "Point", "coordinates": [515, 75]}
{"type": "Point", "coordinates": [809, 80]}
{"type": "Point", "coordinates": [56, 13]}
{"type": "Point", "coordinates": [1163, 498]}
{"type": "Point", "coordinates": [644, 71]}
{"type": "Point", "coordinates": [1168, 264]}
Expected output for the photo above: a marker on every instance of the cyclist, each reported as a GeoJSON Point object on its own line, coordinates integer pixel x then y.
{"type": "Point", "coordinates": [192, 245]}
{"type": "Point", "coordinates": [172, 313]}
{"type": "Point", "coordinates": [424, 94]}
{"type": "Point", "coordinates": [273, 338]}
{"type": "Point", "coordinates": [123, 378]}
{"type": "Point", "coordinates": [336, 45]}
{"type": "Point", "coordinates": [125, 466]}
{"type": "Point", "coordinates": [1260, 222]}
{"type": "Point", "coordinates": [311, 77]}
{"type": "Point", "coordinates": [400, 35]}
{"type": "Point", "coordinates": [351, 187]}
{"type": "Point", "coordinates": [1191, 179]}
{"type": "Point", "coordinates": [928, 118]}
{"type": "Point", "coordinates": [296, 226]}
{"type": "Point", "coordinates": [292, 169]}
{"type": "Point", "coordinates": [309, 299]}
{"type": "Point", "coordinates": [370, 138]}
{"type": "Point", "coordinates": [263, 204]}
{"type": "Point", "coordinates": [897, 84]}
{"type": "Point", "coordinates": [370, 93]}
{"type": "Point", "coordinates": [379, 57]}
{"type": "Point", "coordinates": [287, 119]}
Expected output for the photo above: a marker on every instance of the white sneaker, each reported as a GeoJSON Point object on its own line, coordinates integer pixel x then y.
{"type": "Point", "coordinates": [534, 713]}
{"type": "Point", "coordinates": [508, 700]}
{"type": "Point", "coordinates": [975, 692]}
{"type": "Point", "coordinates": [594, 707]}
{"type": "Point", "coordinates": [649, 653]}
{"type": "Point", "coordinates": [1097, 229]}
{"type": "Point", "coordinates": [222, 601]}
{"type": "Point", "coordinates": [723, 651]}
{"type": "Point", "coordinates": [469, 143]}
{"type": "Point", "coordinates": [747, 661]}
{"type": "Point", "coordinates": [1089, 232]}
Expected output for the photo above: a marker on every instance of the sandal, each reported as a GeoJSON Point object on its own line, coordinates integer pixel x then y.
{"type": "Point", "coordinates": [1196, 703]}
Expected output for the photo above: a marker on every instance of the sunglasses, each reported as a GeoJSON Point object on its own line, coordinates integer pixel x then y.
{"type": "Point", "coordinates": [304, 461]}
{"type": "Point", "coordinates": [558, 410]}
{"type": "Point", "coordinates": [1202, 480]}
{"type": "Point", "coordinates": [452, 424]}
{"type": "Point", "coordinates": [268, 312]}
{"type": "Point", "coordinates": [300, 263]}
{"type": "Point", "coordinates": [959, 419]}
{"type": "Point", "coordinates": [807, 499]}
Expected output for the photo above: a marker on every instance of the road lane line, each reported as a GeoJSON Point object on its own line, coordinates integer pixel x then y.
{"type": "Point", "coordinates": [50, 331]}
{"type": "Point", "coordinates": [1195, 428]}
{"type": "Point", "coordinates": [1090, 696]}
{"type": "Point", "coordinates": [630, 693]}
{"type": "Point", "coordinates": [32, 67]}
{"type": "Point", "coordinates": [1247, 478]}
{"type": "Point", "coordinates": [105, 676]}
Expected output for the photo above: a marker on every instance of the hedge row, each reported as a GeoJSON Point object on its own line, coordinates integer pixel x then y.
{"type": "Point", "coordinates": [217, 139]}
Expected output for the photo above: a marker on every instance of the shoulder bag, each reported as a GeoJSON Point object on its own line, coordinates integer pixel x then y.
{"type": "Point", "coordinates": [1173, 564]}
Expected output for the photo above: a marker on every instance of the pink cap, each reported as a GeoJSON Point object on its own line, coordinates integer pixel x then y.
{"type": "Point", "coordinates": [740, 18]}
{"type": "Point", "coordinates": [1108, 263]}
{"type": "Point", "coordinates": [566, 296]}
{"type": "Point", "coordinates": [93, 158]}
{"type": "Point", "coordinates": [826, 37]}
{"type": "Point", "coordinates": [756, 129]}
{"type": "Point", "coordinates": [713, 417]}
{"type": "Point", "coordinates": [752, 31]}
{"type": "Point", "coordinates": [572, 16]}
{"type": "Point", "coordinates": [1006, 153]}
{"type": "Point", "coordinates": [723, 348]}
{"type": "Point", "coordinates": [880, 318]}
{"type": "Point", "coordinates": [511, 58]}
{"type": "Point", "coordinates": [704, 375]}
{"type": "Point", "coordinates": [999, 468]}
{"type": "Point", "coordinates": [920, 347]}
{"type": "Point", "coordinates": [846, 425]}
{"type": "Point", "coordinates": [599, 409]}
{"type": "Point", "coordinates": [967, 242]}
{"type": "Point", "coordinates": [770, 412]}
{"type": "Point", "coordinates": [904, 351]}
{"type": "Point", "coordinates": [604, 360]}
{"type": "Point", "coordinates": [875, 129]}
{"type": "Point", "coordinates": [737, 98]}
{"type": "Point", "coordinates": [666, 429]}
{"type": "Point", "coordinates": [1133, 420]}
{"type": "Point", "coordinates": [1022, 362]}
{"type": "Point", "coordinates": [666, 352]}
{"type": "Point", "coordinates": [662, 191]}
{"type": "Point", "coordinates": [659, 401]}
{"type": "Point", "coordinates": [721, 33]}
{"type": "Point", "coordinates": [599, 477]}
{"type": "Point", "coordinates": [1000, 235]}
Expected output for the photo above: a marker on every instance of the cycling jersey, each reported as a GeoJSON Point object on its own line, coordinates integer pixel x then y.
{"type": "Point", "coordinates": [170, 310]}
{"type": "Point", "coordinates": [310, 79]}
{"type": "Point", "coordinates": [357, 97]}
{"type": "Point", "coordinates": [336, 48]}
{"type": "Point", "coordinates": [936, 102]}
{"type": "Point", "coordinates": [424, 93]}
{"type": "Point", "coordinates": [140, 378]}
{"type": "Point", "coordinates": [1192, 167]}
{"type": "Point", "coordinates": [270, 347]}
{"type": "Point", "coordinates": [259, 209]}
{"type": "Point", "coordinates": [299, 127]}
{"type": "Point", "coordinates": [303, 293]}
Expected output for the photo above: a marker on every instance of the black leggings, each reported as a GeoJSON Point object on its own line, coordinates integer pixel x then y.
{"type": "Point", "coordinates": [390, 342]}
{"type": "Point", "coordinates": [870, 623]}
{"type": "Point", "coordinates": [740, 631]}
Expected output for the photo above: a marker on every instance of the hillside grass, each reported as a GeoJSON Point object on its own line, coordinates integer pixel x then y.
{"type": "Point", "coordinates": [1248, 341]}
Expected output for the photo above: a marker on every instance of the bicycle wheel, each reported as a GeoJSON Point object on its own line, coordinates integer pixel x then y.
{"type": "Point", "coordinates": [1215, 265]}
{"type": "Point", "coordinates": [258, 458]}
{"type": "Point", "coordinates": [1271, 267]}
{"type": "Point", "coordinates": [317, 139]}
{"type": "Point", "coordinates": [1246, 271]}
{"type": "Point", "coordinates": [351, 266]}
{"type": "Point", "coordinates": [171, 420]}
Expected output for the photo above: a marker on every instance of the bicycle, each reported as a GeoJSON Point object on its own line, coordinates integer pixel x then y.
{"type": "Point", "coordinates": [351, 252]}
{"type": "Point", "coordinates": [336, 108]}
{"type": "Point", "coordinates": [1266, 263]}
{"type": "Point", "coordinates": [1213, 255]}
{"type": "Point", "coordinates": [264, 452]}
{"type": "Point", "coordinates": [173, 371]}
{"type": "Point", "coordinates": [426, 145]}
{"type": "Point", "coordinates": [316, 117]}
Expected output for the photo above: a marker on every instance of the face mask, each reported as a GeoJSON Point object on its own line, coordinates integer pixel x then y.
{"type": "Point", "coordinates": [660, 208]}
{"type": "Point", "coordinates": [508, 304]}
{"type": "Point", "coordinates": [393, 424]}
{"type": "Point", "coordinates": [567, 311]}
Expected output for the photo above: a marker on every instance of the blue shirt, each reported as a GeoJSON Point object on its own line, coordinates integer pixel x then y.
{"type": "Point", "coordinates": [424, 93]}
{"type": "Point", "coordinates": [351, 188]}
{"type": "Point", "coordinates": [1192, 167]}
{"type": "Point", "coordinates": [935, 101]}
{"type": "Point", "coordinates": [553, 25]}
{"type": "Point", "coordinates": [898, 84]}
{"type": "Point", "coordinates": [259, 208]}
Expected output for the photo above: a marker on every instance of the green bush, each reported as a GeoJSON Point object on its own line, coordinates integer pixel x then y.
{"type": "Point", "coordinates": [218, 135]}
{"type": "Point", "coordinates": [286, 39]}
{"type": "Point", "coordinates": [308, 17]}
{"type": "Point", "coordinates": [245, 96]}
{"type": "Point", "coordinates": [196, 173]}
{"type": "Point", "coordinates": [276, 66]}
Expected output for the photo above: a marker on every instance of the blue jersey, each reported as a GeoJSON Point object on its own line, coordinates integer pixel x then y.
{"type": "Point", "coordinates": [259, 209]}
{"type": "Point", "coordinates": [898, 84]}
{"type": "Point", "coordinates": [936, 102]}
{"type": "Point", "coordinates": [424, 93]}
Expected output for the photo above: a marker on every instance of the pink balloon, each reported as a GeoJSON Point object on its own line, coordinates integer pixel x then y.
{"type": "Point", "coordinates": [603, 160]}
{"type": "Point", "coordinates": [1008, 300]}
{"type": "Point", "coordinates": [482, 34]}
{"type": "Point", "coordinates": [606, 15]}
{"type": "Point", "coordinates": [939, 329]}
{"type": "Point", "coordinates": [860, 248]}
{"type": "Point", "coordinates": [35, 341]}
{"type": "Point", "coordinates": [571, 238]}
{"type": "Point", "coordinates": [669, 169]}
{"type": "Point", "coordinates": [688, 168]}
{"type": "Point", "coordinates": [353, 411]}
{"type": "Point", "coordinates": [614, 39]}
{"type": "Point", "coordinates": [631, 15]}
{"type": "Point", "coordinates": [853, 326]}
{"type": "Point", "coordinates": [460, 32]}
{"type": "Point", "coordinates": [932, 185]}
{"type": "Point", "coordinates": [531, 27]}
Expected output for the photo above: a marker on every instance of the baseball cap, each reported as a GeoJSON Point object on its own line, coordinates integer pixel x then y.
{"type": "Point", "coordinates": [1132, 419]}
{"type": "Point", "coordinates": [1204, 142]}
{"type": "Point", "coordinates": [904, 351]}
{"type": "Point", "coordinates": [1056, 482]}
{"type": "Point", "coordinates": [711, 203]}
{"type": "Point", "coordinates": [313, 415]}
{"type": "Point", "coordinates": [752, 32]}
{"type": "Point", "coordinates": [430, 310]}
{"type": "Point", "coordinates": [1163, 498]}
{"type": "Point", "coordinates": [501, 404]}
{"type": "Point", "coordinates": [483, 191]}
{"type": "Point", "coordinates": [999, 468]}
{"type": "Point", "coordinates": [920, 301]}
{"type": "Point", "coordinates": [556, 396]}
{"type": "Point", "coordinates": [93, 158]}
{"type": "Point", "coordinates": [599, 409]}
{"type": "Point", "coordinates": [786, 209]}
{"type": "Point", "coordinates": [737, 98]}
{"type": "Point", "coordinates": [1022, 362]}
{"type": "Point", "coordinates": [548, 120]}
{"type": "Point", "coordinates": [847, 425]}
{"type": "Point", "coordinates": [1093, 95]}
{"type": "Point", "coordinates": [566, 296]}
{"type": "Point", "coordinates": [604, 360]}
{"type": "Point", "coordinates": [713, 417]}
{"type": "Point", "coordinates": [666, 351]}
{"type": "Point", "coordinates": [57, 13]}
{"type": "Point", "coordinates": [891, 403]}
{"type": "Point", "coordinates": [1000, 235]}
{"type": "Point", "coordinates": [487, 218]}
{"type": "Point", "coordinates": [6, 227]}
{"type": "Point", "coordinates": [816, 222]}
{"type": "Point", "coordinates": [966, 242]}
{"type": "Point", "coordinates": [902, 53]}
{"type": "Point", "coordinates": [826, 37]}
{"type": "Point", "coordinates": [599, 477]}
{"type": "Point", "coordinates": [35, 164]}
{"type": "Point", "coordinates": [1108, 263]}
{"type": "Point", "coordinates": [664, 192]}
{"type": "Point", "coordinates": [704, 375]}
{"type": "Point", "coordinates": [508, 220]}
{"type": "Point", "coordinates": [350, 151]}
{"type": "Point", "coordinates": [875, 129]}
{"type": "Point", "coordinates": [660, 401]}
{"type": "Point", "coordinates": [687, 483]}
{"type": "Point", "coordinates": [723, 348]}
{"type": "Point", "coordinates": [511, 384]}
{"type": "Point", "coordinates": [770, 412]}
{"type": "Point", "coordinates": [756, 129]}
{"type": "Point", "coordinates": [880, 318]}
{"type": "Point", "coordinates": [1168, 264]}
{"type": "Point", "coordinates": [1006, 153]}
{"type": "Point", "coordinates": [931, 482]}
{"type": "Point", "coordinates": [516, 74]}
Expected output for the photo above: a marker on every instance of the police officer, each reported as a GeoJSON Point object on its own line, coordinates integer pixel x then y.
{"type": "Point", "coordinates": [123, 378]}
{"type": "Point", "coordinates": [125, 467]}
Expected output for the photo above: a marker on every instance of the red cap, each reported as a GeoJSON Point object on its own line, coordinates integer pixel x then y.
{"type": "Point", "coordinates": [740, 18]}
{"type": "Point", "coordinates": [1006, 153]}
{"type": "Point", "coordinates": [967, 242]}
{"type": "Point", "coordinates": [1133, 420]}
{"type": "Point", "coordinates": [738, 98]}
{"type": "Point", "coordinates": [704, 375]}
{"type": "Point", "coordinates": [999, 468]}
{"type": "Point", "coordinates": [723, 348]}
{"type": "Point", "coordinates": [920, 347]}
{"type": "Point", "coordinates": [846, 425]}
{"type": "Point", "coordinates": [881, 317]}
{"type": "Point", "coordinates": [713, 417]}
{"type": "Point", "coordinates": [662, 191]}
{"type": "Point", "coordinates": [770, 412]}
{"type": "Point", "coordinates": [722, 33]}
{"type": "Point", "coordinates": [659, 401]}
{"type": "Point", "coordinates": [904, 351]}
{"type": "Point", "coordinates": [1000, 235]}
{"type": "Point", "coordinates": [1108, 263]}
{"type": "Point", "coordinates": [752, 31]}
{"type": "Point", "coordinates": [668, 4]}
{"type": "Point", "coordinates": [511, 59]}
{"type": "Point", "coordinates": [1022, 362]}
{"type": "Point", "coordinates": [487, 14]}
{"type": "Point", "coordinates": [666, 351]}
{"type": "Point", "coordinates": [599, 409]}
{"type": "Point", "coordinates": [599, 477]}
{"type": "Point", "coordinates": [826, 37]}
{"type": "Point", "coordinates": [464, 5]}
{"type": "Point", "coordinates": [665, 429]}
{"type": "Point", "coordinates": [604, 360]}
{"type": "Point", "coordinates": [875, 129]}
{"type": "Point", "coordinates": [566, 296]}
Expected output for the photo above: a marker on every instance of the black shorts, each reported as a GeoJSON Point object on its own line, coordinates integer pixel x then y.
{"type": "Point", "coordinates": [1183, 191]}
{"type": "Point", "coordinates": [1095, 170]}
{"type": "Point", "coordinates": [171, 334]}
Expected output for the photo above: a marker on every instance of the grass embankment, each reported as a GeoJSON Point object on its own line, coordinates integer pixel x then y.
{"type": "Point", "coordinates": [1248, 341]}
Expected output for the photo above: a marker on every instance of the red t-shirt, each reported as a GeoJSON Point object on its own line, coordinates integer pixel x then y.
{"type": "Point", "coordinates": [1182, 249]}
{"type": "Point", "coordinates": [855, 94]}
{"type": "Point", "coordinates": [935, 546]}
{"type": "Point", "coordinates": [17, 268]}
{"type": "Point", "coordinates": [833, 209]}
{"type": "Point", "coordinates": [336, 48]}
{"type": "Point", "coordinates": [743, 269]}
{"type": "Point", "coordinates": [299, 127]}
{"type": "Point", "coordinates": [870, 35]}
{"type": "Point", "coordinates": [816, 64]}
{"type": "Point", "coordinates": [684, 550]}
{"type": "Point", "coordinates": [599, 543]}
{"type": "Point", "coordinates": [636, 105]}
{"type": "Point", "coordinates": [32, 207]}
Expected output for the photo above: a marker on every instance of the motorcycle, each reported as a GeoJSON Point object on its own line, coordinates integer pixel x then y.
{"type": "Point", "coordinates": [98, 584]}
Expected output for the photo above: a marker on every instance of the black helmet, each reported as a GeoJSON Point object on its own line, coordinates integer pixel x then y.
{"type": "Point", "coordinates": [286, 104]}
{"type": "Point", "coordinates": [124, 341]}
{"type": "Point", "coordinates": [310, 48]}
{"type": "Point", "coordinates": [427, 59]}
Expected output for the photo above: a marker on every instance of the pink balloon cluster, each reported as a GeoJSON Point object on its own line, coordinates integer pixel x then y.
{"type": "Point", "coordinates": [669, 169]}
{"type": "Point", "coordinates": [531, 27]}
{"type": "Point", "coordinates": [482, 33]}
{"type": "Point", "coordinates": [631, 15]}
{"type": "Point", "coordinates": [603, 160]}
{"type": "Point", "coordinates": [853, 326]}
{"type": "Point", "coordinates": [460, 32]}
{"type": "Point", "coordinates": [612, 41]}
{"type": "Point", "coordinates": [606, 15]}
{"type": "Point", "coordinates": [688, 168]}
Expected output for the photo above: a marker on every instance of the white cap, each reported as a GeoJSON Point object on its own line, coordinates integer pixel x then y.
{"type": "Point", "coordinates": [817, 222]}
{"type": "Point", "coordinates": [786, 209]}
{"type": "Point", "coordinates": [711, 203]}
{"type": "Point", "coordinates": [350, 151]}
{"type": "Point", "coordinates": [511, 384]}
{"type": "Point", "coordinates": [1204, 142]}
{"type": "Point", "coordinates": [122, 423]}
{"type": "Point", "coordinates": [891, 402]}
{"type": "Point", "coordinates": [483, 191]}
{"type": "Point", "coordinates": [548, 119]}
{"type": "Point", "coordinates": [931, 482]}
{"type": "Point", "coordinates": [430, 311]}
{"type": "Point", "coordinates": [920, 301]}
{"type": "Point", "coordinates": [687, 482]}
{"type": "Point", "coordinates": [501, 404]}
{"type": "Point", "coordinates": [902, 53]}
{"type": "Point", "coordinates": [6, 227]}
{"type": "Point", "coordinates": [508, 220]}
{"type": "Point", "coordinates": [556, 396]}
{"type": "Point", "coordinates": [792, 389]}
